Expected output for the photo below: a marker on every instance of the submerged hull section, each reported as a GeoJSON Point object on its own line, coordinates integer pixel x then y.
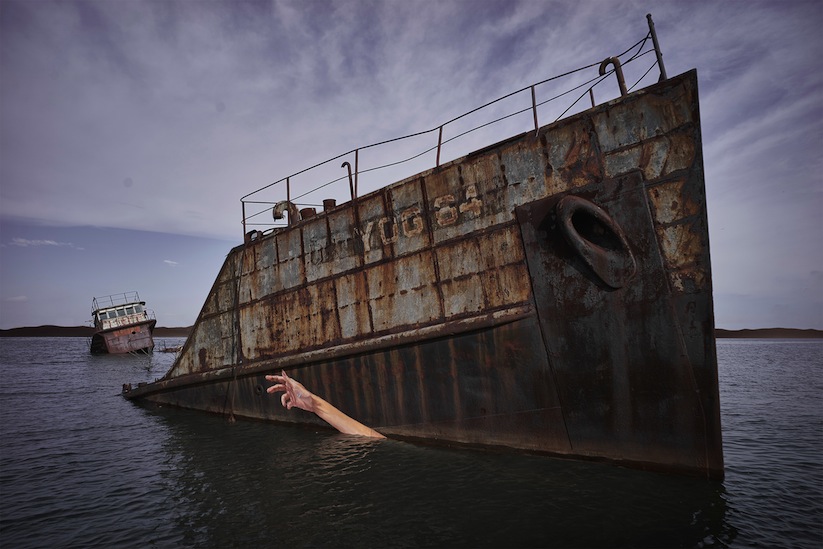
{"type": "Point", "coordinates": [448, 389]}
{"type": "Point", "coordinates": [551, 293]}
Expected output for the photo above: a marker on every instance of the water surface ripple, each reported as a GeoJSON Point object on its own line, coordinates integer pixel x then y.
{"type": "Point", "coordinates": [82, 467]}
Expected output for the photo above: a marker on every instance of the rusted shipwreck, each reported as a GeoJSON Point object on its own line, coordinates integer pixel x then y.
{"type": "Point", "coordinates": [122, 324]}
{"type": "Point", "coordinates": [550, 293]}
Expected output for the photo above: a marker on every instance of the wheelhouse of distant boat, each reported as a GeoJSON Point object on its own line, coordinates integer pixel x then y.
{"type": "Point", "coordinates": [115, 312]}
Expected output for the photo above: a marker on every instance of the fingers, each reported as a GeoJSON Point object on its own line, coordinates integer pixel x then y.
{"type": "Point", "coordinates": [283, 379]}
{"type": "Point", "coordinates": [280, 383]}
{"type": "Point", "coordinates": [286, 385]}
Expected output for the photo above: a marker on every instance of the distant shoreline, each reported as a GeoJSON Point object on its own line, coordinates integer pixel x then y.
{"type": "Point", "coordinates": [81, 331]}
{"type": "Point", "coordinates": [87, 331]}
{"type": "Point", "coordinates": [769, 333]}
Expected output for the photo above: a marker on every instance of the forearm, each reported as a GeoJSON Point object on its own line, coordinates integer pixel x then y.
{"type": "Point", "coordinates": [341, 421]}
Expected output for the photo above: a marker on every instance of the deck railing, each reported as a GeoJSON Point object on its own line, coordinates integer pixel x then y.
{"type": "Point", "coordinates": [114, 300]}
{"type": "Point", "coordinates": [297, 197]}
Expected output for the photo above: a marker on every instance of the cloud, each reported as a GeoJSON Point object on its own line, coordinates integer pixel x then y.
{"type": "Point", "coordinates": [26, 243]}
{"type": "Point", "coordinates": [226, 98]}
{"type": "Point", "coordinates": [17, 299]}
{"type": "Point", "coordinates": [166, 113]}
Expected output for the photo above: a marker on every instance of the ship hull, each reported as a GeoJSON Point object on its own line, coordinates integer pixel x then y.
{"type": "Point", "coordinates": [551, 293]}
{"type": "Point", "coordinates": [133, 338]}
{"type": "Point", "coordinates": [490, 387]}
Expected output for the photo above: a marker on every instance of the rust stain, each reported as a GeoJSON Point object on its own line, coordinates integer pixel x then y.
{"type": "Point", "coordinates": [671, 203]}
{"type": "Point", "coordinates": [680, 245]}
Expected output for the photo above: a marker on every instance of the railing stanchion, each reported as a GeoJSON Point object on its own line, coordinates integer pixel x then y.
{"type": "Point", "coordinates": [439, 143]}
{"type": "Point", "coordinates": [657, 48]}
{"type": "Point", "coordinates": [288, 200]}
{"type": "Point", "coordinates": [534, 111]}
{"type": "Point", "coordinates": [356, 169]}
{"type": "Point", "coordinates": [243, 202]}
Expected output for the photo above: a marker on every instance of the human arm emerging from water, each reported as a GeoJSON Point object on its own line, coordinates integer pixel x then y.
{"type": "Point", "coordinates": [295, 395]}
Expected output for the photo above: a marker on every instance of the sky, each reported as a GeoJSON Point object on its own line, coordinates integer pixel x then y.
{"type": "Point", "coordinates": [130, 129]}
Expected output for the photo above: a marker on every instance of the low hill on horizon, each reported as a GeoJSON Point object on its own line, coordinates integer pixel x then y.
{"type": "Point", "coordinates": [82, 331]}
{"type": "Point", "coordinates": [769, 333]}
{"type": "Point", "coordinates": [183, 331]}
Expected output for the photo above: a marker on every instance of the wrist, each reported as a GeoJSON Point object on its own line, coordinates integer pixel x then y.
{"type": "Point", "coordinates": [318, 405]}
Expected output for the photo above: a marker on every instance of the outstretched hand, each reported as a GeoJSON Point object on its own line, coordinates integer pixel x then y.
{"type": "Point", "coordinates": [294, 394]}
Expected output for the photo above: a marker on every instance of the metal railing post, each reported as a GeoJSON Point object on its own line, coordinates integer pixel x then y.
{"type": "Point", "coordinates": [243, 202]}
{"type": "Point", "coordinates": [288, 200]}
{"type": "Point", "coordinates": [439, 142]}
{"type": "Point", "coordinates": [657, 48]}
{"type": "Point", "coordinates": [534, 111]}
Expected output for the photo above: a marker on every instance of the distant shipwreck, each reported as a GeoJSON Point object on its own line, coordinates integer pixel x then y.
{"type": "Point", "coordinates": [549, 293]}
{"type": "Point", "coordinates": [122, 324]}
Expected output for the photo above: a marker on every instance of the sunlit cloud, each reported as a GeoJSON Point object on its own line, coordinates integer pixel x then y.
{"type": "Point", "coordinates": [170, 263]}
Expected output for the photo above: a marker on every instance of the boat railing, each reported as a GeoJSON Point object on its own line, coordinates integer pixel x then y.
{"type": "Point", "coordinates": [298, 195]}
{"type": "Point", "coordinates": [114, 300]}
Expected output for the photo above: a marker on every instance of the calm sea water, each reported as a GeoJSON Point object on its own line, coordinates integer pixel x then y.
{"type": "Point", "coordinates": [82, 467]}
